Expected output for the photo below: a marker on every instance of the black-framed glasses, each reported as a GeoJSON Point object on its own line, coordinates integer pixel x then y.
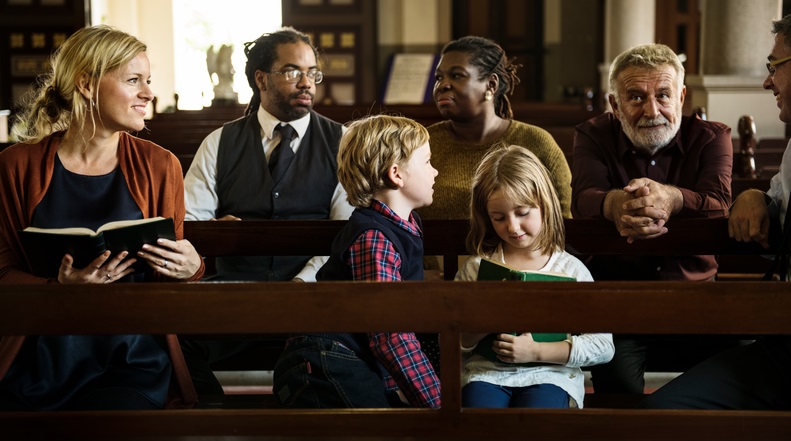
{"type": "Point", "coordinates": [770, 66]}
{"type": "Point", "coordinates": [295, 75]}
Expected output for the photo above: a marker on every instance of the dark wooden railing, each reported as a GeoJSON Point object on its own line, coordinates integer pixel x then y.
{"type": "Point", "coordinates": [446, 238]}
{"type": "Point", "coordinates": [446, 308]}
{"type": "Point", "coordinates": [732, 308]}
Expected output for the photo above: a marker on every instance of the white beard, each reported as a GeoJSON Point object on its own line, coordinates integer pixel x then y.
{"type": "Point", "coordinates": [650, 143]}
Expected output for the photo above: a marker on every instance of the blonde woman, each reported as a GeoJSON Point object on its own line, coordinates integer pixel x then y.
{"type": "Point", "coordinates": [78, 167]}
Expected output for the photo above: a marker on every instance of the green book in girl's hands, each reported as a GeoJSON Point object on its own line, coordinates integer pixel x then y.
{"type": "Point", "coordinates": [484, 347]}
{"type": "Point", "coordinates": [491, 270]}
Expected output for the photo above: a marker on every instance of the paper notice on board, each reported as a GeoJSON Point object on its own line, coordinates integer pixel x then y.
{"type": "Point", "coordinates": [409, 77]}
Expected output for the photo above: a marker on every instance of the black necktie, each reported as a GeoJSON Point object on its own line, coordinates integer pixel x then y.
{"type": "Point", "coordinates": [282, 154]}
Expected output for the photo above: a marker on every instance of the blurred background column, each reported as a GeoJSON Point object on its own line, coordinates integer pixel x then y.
{"type": "Point", "coordinates": [736, 38]}
{"type": "Point", "coordinates": [627, 23]}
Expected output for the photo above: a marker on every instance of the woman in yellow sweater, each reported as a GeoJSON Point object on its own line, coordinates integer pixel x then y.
{"type": "Point", "coordinates": [473, 79]}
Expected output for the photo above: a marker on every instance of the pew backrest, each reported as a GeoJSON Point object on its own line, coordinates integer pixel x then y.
{"type": "Point", "coordinates": [447, 237]}
{"type": "Point", "coordinates": [445, 308]}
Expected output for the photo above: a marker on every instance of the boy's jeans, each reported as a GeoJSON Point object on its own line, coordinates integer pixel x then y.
{"type": "Point", "coordinates": [315, 372]}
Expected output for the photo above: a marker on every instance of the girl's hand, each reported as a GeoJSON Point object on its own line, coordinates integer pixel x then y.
{"type": "Point", "coordinates": [101, 270]}
{"type": "Point", "coordinates": [523, 349]}
{"type": "Point", "coordinates": [175, 259]}
{"type": "Point", "coordinates": [516, 348]}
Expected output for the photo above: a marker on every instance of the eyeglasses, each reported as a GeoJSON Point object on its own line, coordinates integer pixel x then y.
{"type": "Point", "coordinates": [770, 66]}
{"type": "Point", "coordinates": [295, 75]}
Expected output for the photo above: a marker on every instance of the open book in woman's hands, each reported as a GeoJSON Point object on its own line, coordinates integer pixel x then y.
{"type": "Point", "coordinates": [45, 247]}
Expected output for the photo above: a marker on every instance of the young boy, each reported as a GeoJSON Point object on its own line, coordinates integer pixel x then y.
{"type": "Point", "coordinates": [384, 165]}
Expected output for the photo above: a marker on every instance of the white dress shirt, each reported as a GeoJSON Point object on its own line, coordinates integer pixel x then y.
{"type": "Point", "coordinates": [779, 190]}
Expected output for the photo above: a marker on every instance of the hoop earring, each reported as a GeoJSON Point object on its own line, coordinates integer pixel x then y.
{"type": "Point", "coordinates": [488, 95]}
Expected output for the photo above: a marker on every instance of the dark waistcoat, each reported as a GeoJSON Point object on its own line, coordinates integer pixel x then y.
{"type": "Point", "coordinates": [245, 189]}
{"type": "Point", "coordinates": [408, 246]}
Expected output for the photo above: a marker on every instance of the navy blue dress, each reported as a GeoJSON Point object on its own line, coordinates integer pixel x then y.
{"type": "Point", "coordinates": [89, 371]}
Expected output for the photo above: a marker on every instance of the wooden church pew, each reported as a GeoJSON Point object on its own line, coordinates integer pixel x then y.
{"type": "Point", "coordinates": [446, 308]}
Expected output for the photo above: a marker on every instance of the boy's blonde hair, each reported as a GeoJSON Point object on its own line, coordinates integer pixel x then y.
{"type": "Point", "coordinates": [523, 180]}
{"type": "Point", "coordinates": [369, 148]}
{"type": "Point", "coordinates": [58, 105]}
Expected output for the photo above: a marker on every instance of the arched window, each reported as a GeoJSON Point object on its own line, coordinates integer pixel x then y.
{"type": "Point", "coordinates": [181, 32]}
{"type": "Point", "coordinates": [199, 25]}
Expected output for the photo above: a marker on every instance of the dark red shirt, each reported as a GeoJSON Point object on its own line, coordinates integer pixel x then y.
{"type": "Point", "coordinates": [698, 161]}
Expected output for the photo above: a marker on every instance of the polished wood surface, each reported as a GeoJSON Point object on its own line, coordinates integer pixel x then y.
{"type": "Point", "coordinates": [229, 309]}
{"type": "Point", "coordinates": [447, 308]}
{"type": "Point", "coordinates": [446, 237]}
{"type": "Point", "coordinates": [266, 307]}
{"type": "Point", "coordinates": [402, 424]}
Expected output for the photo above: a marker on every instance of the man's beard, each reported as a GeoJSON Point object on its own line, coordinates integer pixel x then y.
{"type": "Point", "coordinates": [650, 143]}
{"type": "Point", "coordinates": [292, 112]}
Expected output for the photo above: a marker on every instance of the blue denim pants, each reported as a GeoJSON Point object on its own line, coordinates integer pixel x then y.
{"type": "Point", "coordinates": [315, 372]}
{"type": "Point", "coordinates": [482, 394]}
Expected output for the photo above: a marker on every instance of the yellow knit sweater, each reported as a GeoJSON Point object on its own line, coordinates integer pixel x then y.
{"type": "Point", "coordinates": [456, 162]}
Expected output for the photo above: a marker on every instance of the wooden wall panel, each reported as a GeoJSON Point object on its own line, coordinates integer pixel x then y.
{"type": "Point", "coordinates": [678, 26]}
{"type": "Point", "coordinates": [518, 26]}
{"type": "Point", "coordinates": [29, 31]}
{"type": "Point", "coordinates": [344, 31]}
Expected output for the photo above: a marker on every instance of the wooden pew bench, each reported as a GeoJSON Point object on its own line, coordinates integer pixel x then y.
{"type": "Point", "coordinates": [446, 308]}
{"type": "Point", "coordinates": [182, 131]}
{"type": "Point", "coordinates": [446, 238]}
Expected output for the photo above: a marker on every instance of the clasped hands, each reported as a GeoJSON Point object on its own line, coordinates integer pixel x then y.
{"type": "Point", "coordinates": [641, 209]}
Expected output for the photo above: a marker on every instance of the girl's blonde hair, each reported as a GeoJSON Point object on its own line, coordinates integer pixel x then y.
{"type": "Point", "coordinates": [57, 104]}
{"type": "Point", "coordinates": [369, 148]}
{"type": "Point", "coordinates": [523, 180]}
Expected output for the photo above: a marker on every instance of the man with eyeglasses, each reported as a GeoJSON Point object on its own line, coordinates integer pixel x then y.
{"type": "Point", "coordinates": [276, 162]}
{"type": "Point", "coordinates": [752, 377]}
{"type": "Point", "coordinates": [638, 166]}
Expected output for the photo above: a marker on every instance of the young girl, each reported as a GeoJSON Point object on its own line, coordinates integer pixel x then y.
{"type": "Point", "coordinates": [516, 219]}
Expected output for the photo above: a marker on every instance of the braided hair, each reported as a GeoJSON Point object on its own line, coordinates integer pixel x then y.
{"type": "Point", "coordinates": [262, 53]}
{"type": "Point", "coordinates": [490, 58]}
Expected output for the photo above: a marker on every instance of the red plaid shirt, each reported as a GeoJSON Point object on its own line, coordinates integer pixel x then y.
{"type": "Point", "coordinates": [372, 257]}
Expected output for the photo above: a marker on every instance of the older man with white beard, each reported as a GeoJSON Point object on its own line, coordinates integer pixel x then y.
{"type": "Point", "coordinates": [639, 166]}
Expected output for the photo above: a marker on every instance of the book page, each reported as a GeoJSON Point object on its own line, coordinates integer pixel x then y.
{"type": "Point", "coordinates": [125, 223]}
{"type": "Point", "coordinates": [81, 231]}
{"type": "Point", "coordinates": [74, 231]}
